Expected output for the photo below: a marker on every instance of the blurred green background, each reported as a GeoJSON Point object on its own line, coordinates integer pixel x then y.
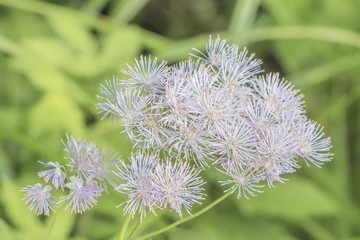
{"type": "Point", "coordinates": [55, 53]}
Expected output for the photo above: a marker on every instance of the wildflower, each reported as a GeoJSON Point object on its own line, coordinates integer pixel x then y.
{"type": "Point", "coordinates": [211, 108]}
{"type": "Point", "coordinates": [243, 178]}
{"type": "Point", "coordinates": [146, 75]}
{"type": "Point", "coordinates": [216, 108]}
{"type": "Point", "coordinates": [137, 183]}
{"type": "Point", "coordinates": [277, 142]}
{"type": "Point", "coordinates": [89, 162]}
{"type": "Point", "coordinates": [191, 142]}
{"type": "Point", "coordinates": [82, 195]}
{"type": "Point", "coordinates": [276, 152]}
{"type": "Point", "coordinates": [55, 174]}
{"type": "Point", "coordinates": [104, 163]}
{"type": "Point", "coordinates": [312, 146]}
{"type": "Point", "coordinates": [122, 102]}
{"type": "Point", "coordinates": [39, 199]}
{"type": "Point", "coordinates": [260, 114]}
{"type": "Point", "coordinates": [150, 132]}
{"type": "Point", "coordinates": [216, 52]}
{"type": "Point", "coordinates": [281, 94]}
{"type": "Point", "coordinates": [178, 185]}
{"type": "Point", "coordinates": [80, 156]}
{"type": "Point", "coordinates": [234, 140]}
{"type": "Point", "coordinates": [175, 102]}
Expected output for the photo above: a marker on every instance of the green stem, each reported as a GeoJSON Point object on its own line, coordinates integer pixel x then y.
{"type": "Point", "coordinates": [53, 221]}
{"type": "Point", "coordinates": [205, 209]}
{"type": "Point", "coordinates": [133, 230]}
{"type": "Point", "coordinates": [124, 227]}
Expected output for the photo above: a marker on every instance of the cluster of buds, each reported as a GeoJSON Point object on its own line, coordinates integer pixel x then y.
{"type": "Point", "coordinates": [215, 110]}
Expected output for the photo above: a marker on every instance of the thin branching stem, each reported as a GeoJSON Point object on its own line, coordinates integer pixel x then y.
{"type": "Point", "coordinates": [53, 221]}
{"type": "Point", "coordinates": [205, 209]}
{"type": "Point", "coordinates": [125, 227]}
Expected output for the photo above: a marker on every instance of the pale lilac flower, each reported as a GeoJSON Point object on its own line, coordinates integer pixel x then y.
{"type": "Point", "coordinates": [312, 146]}
{"type": "Point", "coordinates": [136, 182]}
{"type": "Point", "coordinates": [191, 143]}
{"type": "Point", "coordinates": [244, 179]}
{"type": "Point", "coordinates": [86, 159]}
{"type": "Point", "coordinates": [176, 102]}
{"type": "Point", "coordinates": [150, 132]}
{"type": "Point", "coordinates": [277, 142]}
{"type": "Point", "coordinates": [241, 66]}
{"type": "Point", "coordinates": [260, 114]}
{"type": "Point", "coordinates": [178, 185]}
{"type": "Point", "coordinates": [201, 80]}
{"type": "Point", "coordinates": [118, 101]}
{"type": "Point", "coordinates": [39, 199]}
{"type": "Point", "coordinates": [82, 195]}
{"type": "Point", "coordinates": [211, 108]}
{"type": "Point", "coordinates": [146, 75]}
{"type": "Point", "coordinates": [183, 69]}
{"type": "Point", "coordinates": [216, 52]}
{"type": "Point", "coordinates": [276, 151]}
{"type": "Point", "coordinates": [104, 164]}
{"type": "Point", "coordinates": [55, 174]}
{"type": "Point", "coordinates": [235, 140]}
{"type": "Point", "coordinates": [80, 156]}
{"type": "Point", "coordinates": [286, 101]}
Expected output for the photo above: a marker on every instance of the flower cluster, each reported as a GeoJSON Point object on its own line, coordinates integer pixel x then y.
{"type": "Point", "coordinates": [151, 183]}
{"type": "Point", "coordinates": [219, 109]}
{"type": "Point", "coordinates": [82, 179]}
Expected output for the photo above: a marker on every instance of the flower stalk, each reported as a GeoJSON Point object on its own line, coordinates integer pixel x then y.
{"type": "Point", "coordinates": [169, 227]}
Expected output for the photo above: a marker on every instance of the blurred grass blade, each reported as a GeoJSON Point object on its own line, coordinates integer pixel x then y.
{"type": "Point", "coordinates": [176, 50]}
{"type": "Point", "coordinates": [34, 6]}
{"type": "Point", "coordinates": [317, 75]}
{"type": "Point", "coordinates": [11, 48]}
{"type": "Point", "coordinates": [74, 32]}
{"type": "Point", "coordinates": [50, 10]}
{"type": "Point", "coordinates": [127, 9]}
{"type": "Point", "coordinates": [16, 210]}
{"type": "Point", "coordinates": [94, 6]}
{"type": "Point", "coordinates": [28, 143]}
{"type": "Point", "coordinates": [341, 102]}
{"type": "Point", "coordinates": [244, 14]}
{"type": "Point", "coordinates": [340, 140]}
{"type": "Point", "coordinates": [315, 229]}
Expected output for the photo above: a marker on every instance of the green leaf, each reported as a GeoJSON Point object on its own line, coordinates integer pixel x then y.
{"type": "Point", "coordinates": [16, 210]}
{"type": "Point", "coordinates": [127, 9]}
{"type": "Point", "coordinates": [101, 228]}
{"type": "Point", "coordinates": [5, 231]}
{"type": "Point", "coordinates": [56, 111]}
{"type": "Point", "coordinates": [224, 222]}
{"type": "Point", "coordinates": [73, 30]}
{"type": "Point", "coordinates": [118, 47]}
{"type": "Point", "coordinates": [5, 169]}
{"type": "Point", "coordinates": [297, 198]}
{"type": "Point", "coordinates": [203, 234]}
{"type": "Point", "coordinates": [290, 12]}
{"type": "Point", "coordinates": [244, 14]}
{"type": "Point", "coordinates": [52, 51]}
{"type": "Point", "coordinates": [47, 78]}
{"type": "Point", "coordinates": [63, 225]}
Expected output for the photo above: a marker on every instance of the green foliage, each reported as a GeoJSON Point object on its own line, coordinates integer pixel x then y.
{"type": "Point", "coordinates": [54, 55]}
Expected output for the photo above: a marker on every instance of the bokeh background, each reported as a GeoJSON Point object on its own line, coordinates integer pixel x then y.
{"type": "Point", "coordinates": [54, 54]}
